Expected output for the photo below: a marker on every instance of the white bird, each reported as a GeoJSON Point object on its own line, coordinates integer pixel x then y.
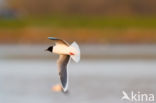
{"type": "Point", "coordinates": [65, 51]}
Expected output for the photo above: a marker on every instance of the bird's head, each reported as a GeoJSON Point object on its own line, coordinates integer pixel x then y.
{"type": "Point", "coordinates": [50, 49]}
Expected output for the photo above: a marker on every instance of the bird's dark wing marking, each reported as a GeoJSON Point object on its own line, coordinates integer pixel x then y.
{"type": "Point", "coordinates": [62, 68]}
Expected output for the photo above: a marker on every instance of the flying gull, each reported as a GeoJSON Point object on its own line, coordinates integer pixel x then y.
{"type": "Point", "coordinates": [65, 52]}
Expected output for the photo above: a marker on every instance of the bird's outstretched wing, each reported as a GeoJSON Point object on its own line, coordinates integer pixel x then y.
{"type": "Point", "coordinates": [58, 41]}
{"type": "Point", "coordinates": [62, 68]}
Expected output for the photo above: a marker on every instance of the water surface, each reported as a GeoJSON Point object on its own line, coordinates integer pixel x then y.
{"type": "Point", "coordinates": [91, 81]}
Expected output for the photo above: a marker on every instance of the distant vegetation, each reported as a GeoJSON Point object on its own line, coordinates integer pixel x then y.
{"type": "Point", "coordinates": [85, 7]}
{"type": "Point", "coordinates": [86, 21]}
{"type": "Point", "coordinates": [84, 29]}
{"type": "Point", "coordinates": [96, 22]}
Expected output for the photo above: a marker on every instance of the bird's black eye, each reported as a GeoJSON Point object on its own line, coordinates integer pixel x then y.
{"type": "Point", "coordinates": [50, 49]}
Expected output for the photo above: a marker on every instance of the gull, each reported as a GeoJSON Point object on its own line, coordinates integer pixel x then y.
{"type": "Point", "coordinates": [65, 52]}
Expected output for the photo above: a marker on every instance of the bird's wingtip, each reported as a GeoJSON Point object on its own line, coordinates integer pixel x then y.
{"type": "Point", "coordinates": [52, 38]}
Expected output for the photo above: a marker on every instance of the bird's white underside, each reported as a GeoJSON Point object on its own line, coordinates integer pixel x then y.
{"type": "Point", "coordinates": [62, 49]}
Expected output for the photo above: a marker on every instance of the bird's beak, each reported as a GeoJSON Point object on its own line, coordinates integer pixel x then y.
{"type": "Point", "coordinates": [50, 49]}
{"type": "Point", "coordinates": [46, 50]}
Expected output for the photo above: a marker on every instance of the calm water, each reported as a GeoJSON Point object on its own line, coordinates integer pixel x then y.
{"type": "Point", "coordinates": [91, 81]}
{"type": "Point", "coordinates": [27, 74]}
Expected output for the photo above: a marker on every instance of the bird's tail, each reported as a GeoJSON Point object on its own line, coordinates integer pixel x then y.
{"type": "Point", "coordinates": [76, 56]}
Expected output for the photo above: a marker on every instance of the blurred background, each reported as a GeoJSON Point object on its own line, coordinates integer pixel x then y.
{"type": "Point", "coordinates": [118, 49]}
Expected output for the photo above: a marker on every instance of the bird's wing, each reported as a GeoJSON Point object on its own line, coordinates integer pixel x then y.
{"type": "Point", "coordinates": [58, 41]}
{"type": "Point", "coordinates": [62, 68]}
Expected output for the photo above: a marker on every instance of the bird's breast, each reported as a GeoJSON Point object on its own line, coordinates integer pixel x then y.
{"type": "Point", "coordinates": [61, 49]}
